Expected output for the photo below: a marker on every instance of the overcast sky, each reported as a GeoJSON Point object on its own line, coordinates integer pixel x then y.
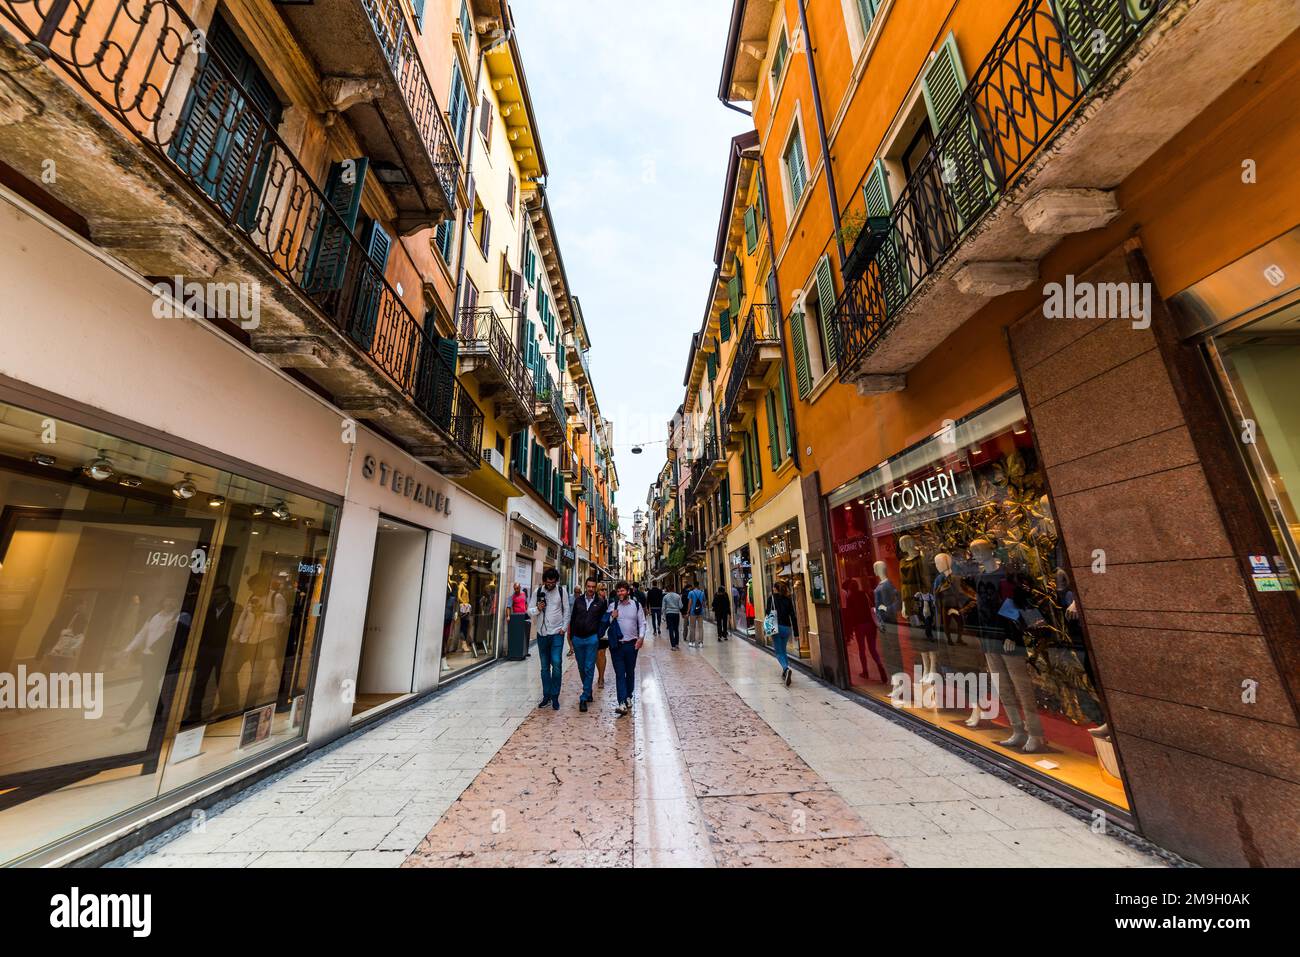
{"type": "Point", "coordinates": [636, 142]}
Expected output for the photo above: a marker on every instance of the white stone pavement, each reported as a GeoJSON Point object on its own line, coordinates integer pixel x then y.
{"type": "Point", "coordinates": [371, 800]}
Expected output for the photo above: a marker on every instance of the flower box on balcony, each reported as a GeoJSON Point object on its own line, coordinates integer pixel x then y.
{"type": "Point", "coordinates": [873, 234]}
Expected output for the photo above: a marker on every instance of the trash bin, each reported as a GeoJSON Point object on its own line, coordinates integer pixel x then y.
{"type": "Point", "coordinates": [517, 635]}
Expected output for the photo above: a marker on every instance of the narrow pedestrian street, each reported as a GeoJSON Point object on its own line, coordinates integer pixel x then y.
{"type": "Point", "coordinates": [720, 765]}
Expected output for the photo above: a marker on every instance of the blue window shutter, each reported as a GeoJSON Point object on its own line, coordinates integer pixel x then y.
{"type": "Point", "coordinates": [333, 240]}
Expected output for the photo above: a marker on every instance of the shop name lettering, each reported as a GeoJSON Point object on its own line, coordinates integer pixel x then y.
{"type": "Point", "coordinates": [57, 691]}
{"type": "Point", "coordinates": [405, 485]}
{"type": "Point", "coordinates": [933, 489]}
{"type": "Point", "coordinates": [1098, 300]}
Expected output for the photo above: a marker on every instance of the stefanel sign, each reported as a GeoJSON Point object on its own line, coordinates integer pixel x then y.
{"type": "Point", "coordinates": [404, 484]}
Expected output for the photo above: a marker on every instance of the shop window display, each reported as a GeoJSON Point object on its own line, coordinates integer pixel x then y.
{"type": "Point", "coordinates": [957, 603]}
{"type": "Point", "coordinates": [470, 615]}
{"type": "Point", "coordinates": [742, 591]}
{"type": "Point", "coordinates": [179, 602]}
{"type": "Point", "coordinates": [783, 564]}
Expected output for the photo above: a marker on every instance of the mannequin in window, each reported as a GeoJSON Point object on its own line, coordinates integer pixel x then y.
{"type": "Point", "coordinates": [918, 605]}
{"type": "Point", "coordinates": [1000, 601]}
{"type": "Point", "coordinates": [887, 604]}
{"type": "Point", "coordinates": [952, 596]}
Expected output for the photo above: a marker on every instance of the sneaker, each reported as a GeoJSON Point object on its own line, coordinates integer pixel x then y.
{"type": "Point", "coordinates": [555, 703]}
{"type": "Point", "coordinates": [788, 675]}
{"type": "Point", "coordinates": [546, 699]}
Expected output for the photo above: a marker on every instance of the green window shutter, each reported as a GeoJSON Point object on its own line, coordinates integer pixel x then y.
{"type": "Point", "coordinates": [733, 293]}
{"type": "Point", "coordinates": [796, 168]}
{"type": "Point", "coordinates": [802, 371]}
{"type": "Point", "coordinates": [893, 277]}
{"type": "Point", "coordinates": [826, 301]}
{"type": "Point", "coordinates": [1094, 31]}
{"type": "Point", "coordinates": [331, 244]}
{"type": "Point", "coordinates": [784, 399]}
{"type": "Point", "coordinates": [876, 191]}
{"type": "Point", "coordinates": [754, 461]}
{"type": "Point", "coordinates": [773, 443]}
{"type": "Point", "coordinates": [724, 324]}
{"type": "Point", "coordinates": [751, 230]}
{"type": "Point", "coordinates": [943, 84]}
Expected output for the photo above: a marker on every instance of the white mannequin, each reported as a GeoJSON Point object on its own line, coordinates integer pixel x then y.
{"type": "Point", "coordinates": [929, 659]}
{"type": "Point", "coordinates": [1026, 729]}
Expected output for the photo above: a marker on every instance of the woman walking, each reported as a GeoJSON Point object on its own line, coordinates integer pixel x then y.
{"type": "Point", "coordinates": [602, 644]}
{"type": "Point", "coordinates": [722, 613]}
{"type": "Point", "coordinates": [672, 607]}
{"type": "Point", "coordinates": [786, 625]}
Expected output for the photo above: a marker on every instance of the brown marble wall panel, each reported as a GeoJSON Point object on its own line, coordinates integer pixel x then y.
{"type": "Point", "coordinates": [1105, 347]}
{"type": "Point", "coordinates": [1209, 586]}
{"type": "Point", "coordinates": [1152, 518]}
{"type": "Point", "coordinates": [1160, 452]}
{"type": "Point", "coordinates": [1199, 668]}
{"type": "Point", "coordinates": [1216, 814]}
{"type": "Point", "coordinates": [1219, 623]}
{"type": "Point", "coordinates": [1271, 749]}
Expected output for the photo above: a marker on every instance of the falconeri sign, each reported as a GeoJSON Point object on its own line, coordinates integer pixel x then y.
{"type": "Point", "coordinates": [405, 484]}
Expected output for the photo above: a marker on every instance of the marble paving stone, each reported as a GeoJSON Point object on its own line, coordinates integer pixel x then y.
{"type": "Point", "coordinates": [746, 819]}
{"type": "Point", "coordinates": [355, 834]}
{"type": "Point", "coordinates": [786, 776]}
{"type": "Point", "coordinates": [961, 817]}
{"type": "Point", "coordinates": [975, 850]}
{"type": "Point", "coordinates": [279, 834]}
{"type": "Point", "coordinates": [825, 852]}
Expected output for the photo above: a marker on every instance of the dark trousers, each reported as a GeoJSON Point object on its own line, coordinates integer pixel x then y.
{"type": "Point", "coordinates": [207, 671]}
{"type": "Point", "coordinates": [655, 618]}
{"type": "Point", "coordinates": [624, 655]}
{"type": "Point", "coordinates": [673, 620]}
{"type": "Point", "coordinates": [724, 625]}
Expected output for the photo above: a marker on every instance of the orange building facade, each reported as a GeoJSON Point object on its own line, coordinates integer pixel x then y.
{"type": "Point", "coordinates": [1033, 265]}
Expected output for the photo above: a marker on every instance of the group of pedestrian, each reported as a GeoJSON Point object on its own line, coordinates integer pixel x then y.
{"type": "Point", "coordinates": [593, 625]}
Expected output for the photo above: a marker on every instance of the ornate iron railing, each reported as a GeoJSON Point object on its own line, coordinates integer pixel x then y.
{"type": "Point", "coordinates": [548, 395]}
{"type": "Point", "coordinates": [1048, 58]}
{"type": "Point", "coordinates": [138, 59]}
{"type": "Point", "coordinates": [481, 333]}
{"type": "Point", "coordinates": [762, 327]}
{"type": "Point", "coordinates": [390, 25]}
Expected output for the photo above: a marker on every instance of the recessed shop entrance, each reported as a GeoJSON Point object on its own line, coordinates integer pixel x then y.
{"type": "Point", "coordinates": [388, 645]}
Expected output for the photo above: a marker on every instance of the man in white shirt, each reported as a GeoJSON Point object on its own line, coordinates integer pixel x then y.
{"type": "Point", "coordinates": [628, 618]}
{"type": "Point", "coordinates": [550, 610]}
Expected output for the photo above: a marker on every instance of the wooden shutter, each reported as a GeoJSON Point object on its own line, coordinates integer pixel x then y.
{"type": "Point", "coordinates": [733, 294]}
{"type": "Point", "coordinates": [943, 84]}
{"type": "Point", "coordinates": [773, 443]}
{"type": "Point", "coordinates": [893, 274]}
{"type": "Point", "coordinates": [784, 399]}
{"type": "Point", "coordinates": [802, 371]}
{"type": "Point", "coordinates": [417, 7]}
{"type": "Point", "coordinates": [485, 118]}
{"type": "Point", "coordinates": [487, 232]}
{"type": "Point", "coordinates": [370, 288]}
{"type": "Point", "coordinates": [333, 240]}
{"type": "Point", "coordinates": [751, 230]}
{"type": "Point", "coordinates": [968, 180]}
{"type": "Point", "coordinates": [826, 306]}
{"type": "Point", "coordinates": [1094, 31]}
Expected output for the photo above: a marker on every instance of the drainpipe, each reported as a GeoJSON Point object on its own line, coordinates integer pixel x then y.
{"type": "Point", "coordinates": [821, 129]}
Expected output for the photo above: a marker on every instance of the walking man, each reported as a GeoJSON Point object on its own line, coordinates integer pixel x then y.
{"type": "Point", "coordinates": [655, 602]}
{"type": "Point", "coordinates": [722, 613]}
{"type": "Point", "coordinates": [550, 614]}
{"type": "Point", "coordinates": [695, 611]}
{"type": "Point", "coordinates": [672, 606]}
{"type": "Point", "coordinates": [627, 628]}
{"type": "Point", "coordinates": [584, 633]}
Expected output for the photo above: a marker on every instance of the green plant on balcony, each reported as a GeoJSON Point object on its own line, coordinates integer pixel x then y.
{"type": "Point", "coordinates": [677, 551]}
{"type": "Point", "coordinates": [851, 226]}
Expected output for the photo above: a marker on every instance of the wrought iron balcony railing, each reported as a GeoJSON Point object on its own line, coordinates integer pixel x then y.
{"type": "Point", "coordinates": [762, 327]}
{"type": "Point", "coordinates": [137, 59]}
{"type": "Point", "coordinates": [1048, 58]}
{"type": "Point", "coordinates": [481, 333]}
{"type": "Point", "coordinates": [390, 25]}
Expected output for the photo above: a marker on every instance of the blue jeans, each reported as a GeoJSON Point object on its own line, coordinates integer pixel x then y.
{"type": "Point", "coordinates": [624, 655]}
{"type": "Point", "coordinates": [550, 649]}
{"type": "Point", "coordinates": [673, 619]}
{"type": "Point", "coordinates": [584, 653]}
{"type": "Point", "coordinates": [779, 641]}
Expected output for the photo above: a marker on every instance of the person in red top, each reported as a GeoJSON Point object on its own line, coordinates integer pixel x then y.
{"type": "Point", "coordinates": [519, 601]}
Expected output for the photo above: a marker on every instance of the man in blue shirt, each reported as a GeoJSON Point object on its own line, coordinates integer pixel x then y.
{"type": "Point", "coordinates": [695, 615]}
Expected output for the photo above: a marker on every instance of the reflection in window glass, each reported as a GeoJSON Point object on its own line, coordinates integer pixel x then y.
{"type": "Point", "coordinates": [954, 591]}
{"type": "Point", "coordinates": [470, 617]}
{"type": "Point", "coordinates": [168, 609]}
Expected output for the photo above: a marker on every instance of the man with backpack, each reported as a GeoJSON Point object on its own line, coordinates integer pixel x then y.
{"type": "Point", "coordinates": [627, 628]}
{"type": "Point", "coordinates": [695, 615]}
{"type": "Point", "coordinates": [550, 612]}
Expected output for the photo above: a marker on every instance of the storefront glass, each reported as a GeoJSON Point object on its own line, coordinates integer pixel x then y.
{"type": "Point", "coordinates": [957, 604]}
{"type": "Point", "coordinates": [1259, 367]}
{"type": "Point", "coordinates": [470, 617]}
{"type": "Point", "coordinates": [742, 594]}
{"type": "Point", "coordinates": [158, 623]}
{"type": "Point", "coordinates": [783, 562]}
